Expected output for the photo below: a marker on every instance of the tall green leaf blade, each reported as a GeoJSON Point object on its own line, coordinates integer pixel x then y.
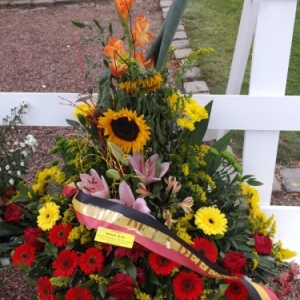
{"type": "Point", "coordinates": [160, 47]}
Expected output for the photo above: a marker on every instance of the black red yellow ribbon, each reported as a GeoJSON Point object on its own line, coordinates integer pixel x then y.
{"type": "Point", "coordinates": [95, 212]}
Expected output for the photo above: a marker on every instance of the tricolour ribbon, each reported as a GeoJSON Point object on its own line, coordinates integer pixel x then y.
{"type": "Point", "coordinates": [100, 213]}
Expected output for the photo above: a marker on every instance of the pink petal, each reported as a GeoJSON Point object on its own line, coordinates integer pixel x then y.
{"type": "Point", "coordinates": [141, 205]}
{"type": "Point", "coordinates": [164, 167]}
{"type": "Point", "coordinates": [126, 195]}
{"type": "Point", "coordinates": [135, 160]}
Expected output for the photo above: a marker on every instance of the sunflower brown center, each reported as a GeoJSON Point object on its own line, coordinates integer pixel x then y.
{"type": "Point", "coordinates": [235, 288]}
{"type": "Point", "coordinates": [125, 129]}
{"type": "Point", "coordinates": [163, 261]}
{"type": "Point", "coordinates": [187, 286]}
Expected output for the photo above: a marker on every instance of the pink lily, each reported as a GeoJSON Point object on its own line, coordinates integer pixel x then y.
{"type": "Point", "coordinates": [149, 170]}
{"type": "Point", "coordinates": [94, 185]}
{"type": "Point", "coordinates": [127, 199]}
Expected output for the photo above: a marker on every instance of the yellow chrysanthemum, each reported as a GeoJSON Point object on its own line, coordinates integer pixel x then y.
{"type": "Point", "coordinates": [125, 129]}
{"type": "Point", "coordinates": [84, 109]}
{"type": "Point", "coordinates": [211, 220]}
{"type": "Point", "coordinates": [195, 111]}
{"type": "Point", "coordinates": [186, 123]}
{"type": "Point", "coordinates": [48, 215]}
{"type": "Point", "coordinates": [148, 84]}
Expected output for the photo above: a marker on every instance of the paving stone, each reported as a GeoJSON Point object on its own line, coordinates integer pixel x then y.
{"type": "Point", "coordinates": [193, 73]}
{"type": "Point", "coordinates": [20, 2]}
{"type": "Point", "coordinates": [179, 44]}
{"type": "Point", "coordinates": [182, 53]}
{"type": "Point", "coordinates": [180, 27]}
{"type": "Point", "coordinates": [66, 1]}
{"type": "Point", "coordinates": [165, 3]}
{"type": "Point", "coordinates": [165, 9]}
{"type": "Point", "coordinates": [164, 15]}
{"type": "Point", "coordinates": [42, 2]}
{"type": "Point", "coordinates": [195, 87]}
{"type": "Point", "coordinates": [179, 35]}
{"type": "Point", "coordinates": [276, 185]}
{"type": "Point", "coordinates": [291, 179]}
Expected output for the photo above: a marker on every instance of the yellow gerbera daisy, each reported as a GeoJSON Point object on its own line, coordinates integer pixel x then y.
{"type": "Point", "coordinates": [48, 215]}
{"type": "Point", "coordinates": [125, 129]}
{"type": "Point", "coordinates": [211, 220]}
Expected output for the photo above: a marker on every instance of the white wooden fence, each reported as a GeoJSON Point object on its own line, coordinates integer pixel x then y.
{"type": "Point", "coordinates": [262, 114]}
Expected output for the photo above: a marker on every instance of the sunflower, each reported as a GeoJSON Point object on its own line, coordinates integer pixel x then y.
{"type": "Point", "coordinates": [187, 286]}
{"type": "Point", "coordinates": [205, 247]}
{"type": "Point", "coordinates": [125, 129]}
{"type": "Point", "coordinates": [48, 215]}
{"type": "Point", "coordinates": [211, 220]}
{"type": "Point", "coordinates": [147, 84]}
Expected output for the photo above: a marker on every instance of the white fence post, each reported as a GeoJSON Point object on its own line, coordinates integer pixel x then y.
{"type": "Point", "coordinates": [270, 61]}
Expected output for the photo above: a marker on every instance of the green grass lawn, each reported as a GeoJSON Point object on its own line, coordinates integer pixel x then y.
{"type": "Point", "coordinates": [214, 23]}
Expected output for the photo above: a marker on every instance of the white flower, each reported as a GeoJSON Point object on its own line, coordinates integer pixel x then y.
{"type": "Point", "coordinates": [31, 141]}
{"type": "Point", "coordinates": [22, 145]}
{"type": "Point", "coordinates": [16, 143]}
{"type": "Point", "coordinates": [14, 163]}
{"type": "Point", "coordinates": [7, 167]}
{"type": "Point", "coordinates": [9, 171]}
{"type": "Point", "coordinates": [24, 153]}
{"type": "Point", "coordinates": [19, 173]}
{"type": "Point", "coordinates": [11, 181]}
{"type": "Point", "coordinates": [22, 163]}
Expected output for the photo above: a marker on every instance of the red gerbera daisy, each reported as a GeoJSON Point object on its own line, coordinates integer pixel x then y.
{"type": "Point", "coordinates": [58, 235]}
{"type": "Point", "coordinates": [24, 254]}
{"type": "Point", "coordinates": [236, 290]}
{"type": "Point", "coordinates": [65, 263]}
{"type": "Point", "coordinates": [187, 286]}
{"type": "Point", "coordinates": [91, 261]}
{"type": "Point", "coordinates": [161, 265]}
{"type": "Point", "coordinates": [78, 294]}
{"type": "Point", "coordinates": [205, 247]}
{"type": "Point", "coordinates": [45, 288]}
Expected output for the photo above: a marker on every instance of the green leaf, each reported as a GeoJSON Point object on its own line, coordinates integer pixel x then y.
{"type": "Point", "coordinates": [73, 123]}
{"type": "Point", "coordinates": [98, 25]}
{"type": "Point", "coordinates": [196, 136]}
{"type": "Point", "coordinates": [79, 24]}
{"type": "Point", "coordinates": [153, 279]}
{"type": "Point", "coordinates": [131, 269]}
{"type": "Point", "coordinates": [102, 290]}
{"type": "Point", "coordinates": [51, 250]}
{"type": "Point", "coordinates": [254, 182]}
{"type": "Point", "coordinates": [87, 283]}
{"type": "Point", "coordinates": [160, 46]}
{"type": "Point", "coordinates": [221, 290]}
{"type": "Point", "coordinates": [8, 229]}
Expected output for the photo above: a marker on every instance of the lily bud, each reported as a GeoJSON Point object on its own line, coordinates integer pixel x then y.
{"type": "Point", "coordinates": [113, 174]}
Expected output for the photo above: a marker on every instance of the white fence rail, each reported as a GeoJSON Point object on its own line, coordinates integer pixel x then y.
{"type": "Point", "coordinates": [262, 114]}
{"type": "Point", "coordinates": [259, 116]}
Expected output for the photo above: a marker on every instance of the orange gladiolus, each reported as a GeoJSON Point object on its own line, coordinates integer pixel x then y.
{"type": "Point", "coordinates": [141, 34]}
{"type": "Point", "coordinates": [123, 7]}
{"type": "Point", "coordinates": [140, 57]}
{"type": "Point", "coordinates": [114, 49]}
{"type": "Point", "coordinates": [117, 69]}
